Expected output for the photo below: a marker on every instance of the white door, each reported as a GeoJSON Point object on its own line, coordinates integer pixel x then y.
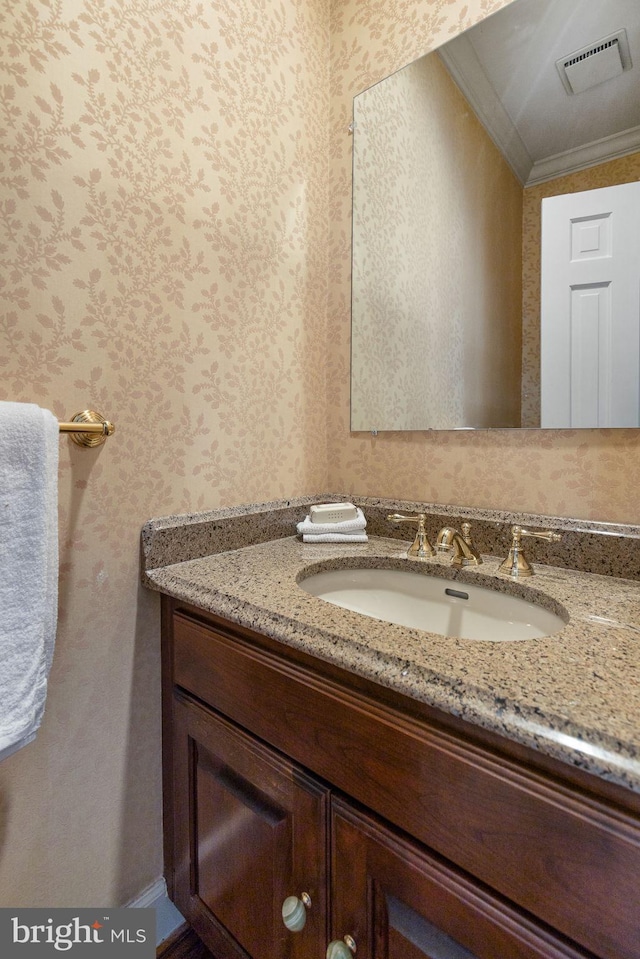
{"type": "Point", "coordinates": [590, 308]}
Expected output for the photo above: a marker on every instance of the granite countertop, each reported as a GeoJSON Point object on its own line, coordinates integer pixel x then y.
{"type": "Point", "coordinates": [574, 695]}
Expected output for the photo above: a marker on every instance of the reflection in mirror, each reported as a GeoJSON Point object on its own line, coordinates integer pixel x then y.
{"type": "Point", "coordinates": [452, 158]}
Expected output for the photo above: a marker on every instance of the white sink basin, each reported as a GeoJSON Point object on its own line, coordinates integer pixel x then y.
{"type": "Point", "coordinates": [434, 604]}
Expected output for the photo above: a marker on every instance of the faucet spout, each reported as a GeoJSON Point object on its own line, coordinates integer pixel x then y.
{"type": "Point", "coordinates": [459, 544]}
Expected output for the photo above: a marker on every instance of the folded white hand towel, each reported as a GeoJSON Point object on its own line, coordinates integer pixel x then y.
{"type": "Point", "coordinates": [29, 441]}
{"type": "Point", "coordinates": [346, 526]}
{"type": "Point", "coordinates": [335, 537]}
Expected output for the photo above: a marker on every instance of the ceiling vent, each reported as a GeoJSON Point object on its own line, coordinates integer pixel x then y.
{"type": "Point", "coordinates": [596, 63]}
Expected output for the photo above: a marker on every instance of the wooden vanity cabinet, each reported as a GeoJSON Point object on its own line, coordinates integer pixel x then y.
{"type": "Point", "coordinates": [411, 832]}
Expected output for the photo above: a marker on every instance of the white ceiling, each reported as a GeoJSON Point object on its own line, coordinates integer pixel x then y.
{"type": "Point", "coordinates": [506, 67]}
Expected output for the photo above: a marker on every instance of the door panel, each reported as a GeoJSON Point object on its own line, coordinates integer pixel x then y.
{"type": "Point", "coordinates": [398, 901]}
{"type": "Point", "coordinates": [409, 934]}
{"type": "Point", "coordinates": [243, 840]}
{"type": "Point", "coordinates": [590, 308]}
{"type": "Point", "coordinates": [252, 831]}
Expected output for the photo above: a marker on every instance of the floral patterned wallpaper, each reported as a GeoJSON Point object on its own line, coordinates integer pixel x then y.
{"type": "Point", "coordinates": [429, 186]}
{"type": "Point", "coordinates": [174, 218]}
{"type": "Point", "coordinates": [163, 247]}
{"type": "Point", "coordinates": [586, 474]}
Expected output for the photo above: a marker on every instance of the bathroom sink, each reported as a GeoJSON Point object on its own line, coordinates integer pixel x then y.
{"type": "Point", "coordinates": [433, 604]}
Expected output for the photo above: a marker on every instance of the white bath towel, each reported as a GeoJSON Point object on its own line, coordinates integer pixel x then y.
{"type": "Point", "coordinates": [335, 538]}
{"type": "Point", "coordinates": [29, 441]}
{"type": "Point", "coordinates": [306, 527]}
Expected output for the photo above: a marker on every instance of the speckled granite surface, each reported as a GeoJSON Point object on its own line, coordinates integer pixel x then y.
{"type": "Point", "coordinates": [574, 695]}
{"type": "Point", "coordinates": [605, 548]}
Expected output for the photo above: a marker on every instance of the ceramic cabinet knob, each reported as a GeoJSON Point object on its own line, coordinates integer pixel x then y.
{"type": "Point", "coordinates": [341, 948]}
{"type": "Point", "coordinates": [294, 911]}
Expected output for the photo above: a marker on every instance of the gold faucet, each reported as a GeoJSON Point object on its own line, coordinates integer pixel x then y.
{"type": "Point", "coordinates": [516, 563]}
{"type": "Point", "coordinates": [460, 544]}
{"type": "Point", "coordinates": [421, 548]}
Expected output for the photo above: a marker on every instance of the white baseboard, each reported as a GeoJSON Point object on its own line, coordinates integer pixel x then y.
{"type": "Point", "coordinates": [167, 916]}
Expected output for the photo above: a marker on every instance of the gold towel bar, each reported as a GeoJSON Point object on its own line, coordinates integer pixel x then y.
{"type": "Point", "coordinates": [88, 428]}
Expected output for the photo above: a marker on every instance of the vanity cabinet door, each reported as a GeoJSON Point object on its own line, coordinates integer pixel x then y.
{"type": "Point", "coordinates": [395, 900]}
{"type": "Point", "coordinates": [249, 832]}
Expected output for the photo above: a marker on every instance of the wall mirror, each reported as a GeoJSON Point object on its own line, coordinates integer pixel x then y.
{"type": "Point", "coordinates": [496, 257]}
